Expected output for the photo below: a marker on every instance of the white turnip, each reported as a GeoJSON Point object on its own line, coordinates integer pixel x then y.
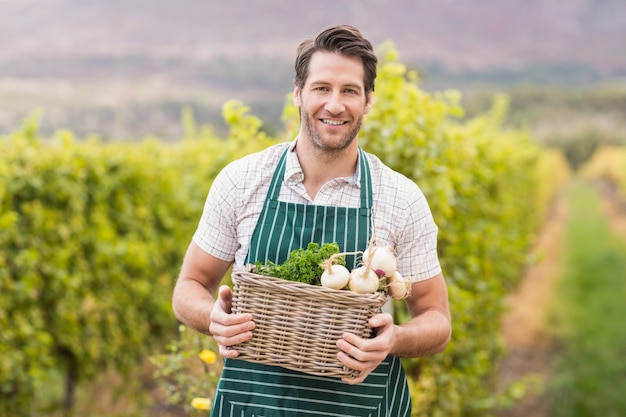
{"type": "Point", "coordinates": [335, 277]}
{"type": "Point", "coordinates": [398, 286]}
{"type": "Point", "coordinates": [363, 280]}
{"type": "Point", "coordinates": [381, 259]}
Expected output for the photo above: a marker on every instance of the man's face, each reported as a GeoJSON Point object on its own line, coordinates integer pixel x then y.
{"type": "Point", "coordinates": [332, 102]}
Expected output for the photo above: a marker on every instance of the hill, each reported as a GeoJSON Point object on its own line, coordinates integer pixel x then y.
{"type": "Point", "coordinates": [458, 34]}
{"type": "Point", "coordinates": [126, 67]}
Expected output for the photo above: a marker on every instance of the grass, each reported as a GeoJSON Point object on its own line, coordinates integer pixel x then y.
{"type": "Point", "coordinates": [590, 370]}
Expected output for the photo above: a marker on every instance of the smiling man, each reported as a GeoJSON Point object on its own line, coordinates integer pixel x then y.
{"type": "Point", "coordinates": [323, 175]}
{"type": "Point", "coordinates": [332, 104]}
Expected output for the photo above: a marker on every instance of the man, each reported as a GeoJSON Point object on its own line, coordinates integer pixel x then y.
{"type": "Point", "coordinates": [323, 175]}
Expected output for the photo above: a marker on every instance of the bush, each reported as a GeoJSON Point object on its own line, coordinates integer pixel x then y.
{"type": "Point", "coordinates": [93, 235]}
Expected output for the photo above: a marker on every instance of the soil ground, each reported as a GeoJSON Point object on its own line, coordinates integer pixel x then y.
{"type": "Point", "coordinates": [524, 326]}
{"type": "Point", "coordinates": [614, 208]}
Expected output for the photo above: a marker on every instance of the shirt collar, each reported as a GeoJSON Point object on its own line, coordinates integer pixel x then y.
{"type": "Point", "coordinates": [294, 174]}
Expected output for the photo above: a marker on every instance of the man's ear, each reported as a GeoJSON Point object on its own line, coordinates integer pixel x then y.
{"type": "Point", "coordinates": [368, 103]}
{"type": "Point", "coordinates": [297, 100]}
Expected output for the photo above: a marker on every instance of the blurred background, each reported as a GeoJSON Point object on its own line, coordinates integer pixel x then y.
{"type": "Point", "coordinates": [124, 69]}
{"type": "Point", "coordinates": [127, 70]}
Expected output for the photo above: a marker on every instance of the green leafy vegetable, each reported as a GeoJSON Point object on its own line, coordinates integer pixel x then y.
{"type": "Point", "coordinates": [302, 265]}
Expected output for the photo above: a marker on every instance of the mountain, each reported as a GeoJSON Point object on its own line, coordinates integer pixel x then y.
{"type": "Point", "coordinates": [123, 68]}
{"type": "Point", "coordinates": [457, 34]}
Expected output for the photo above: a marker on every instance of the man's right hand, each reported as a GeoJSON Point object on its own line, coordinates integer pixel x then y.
{"type": "Point", "coordinates": [226, 328]}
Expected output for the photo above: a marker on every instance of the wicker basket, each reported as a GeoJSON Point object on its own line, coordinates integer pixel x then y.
{"type": "Point", "coordinates": [298, 325]}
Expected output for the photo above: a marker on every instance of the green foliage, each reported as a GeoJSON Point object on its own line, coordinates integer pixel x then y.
{"type": "Point", "coordinates": [579, 147]}
{"type": "Point", "coordinates": [575, 122]}
{"type": "Point", "coordinates": [183, 373]}
{"type": "Point", "coordinates": [608, 166]}
{"type": "Point", "coordinates": [588, 376]}
{"type": "Point", "coordinates": [302, 265]}
{"type": "Point", "coordinates": [91, 246]}
{"type": "Point", "coordinates": [489, 188]}
{"type": "Point", "coordinates": [93, 235]}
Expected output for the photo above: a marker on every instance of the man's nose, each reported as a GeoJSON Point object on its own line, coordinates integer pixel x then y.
{"type": "Point", "coordinates": [335, 105]}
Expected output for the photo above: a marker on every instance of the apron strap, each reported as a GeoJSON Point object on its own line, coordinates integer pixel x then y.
{"type": "Point", "coordinates": [366, 181]}
{"type": "Point", "coordinates": [364, 173]}
{"type": "Point", "coordinates": [277, 178]}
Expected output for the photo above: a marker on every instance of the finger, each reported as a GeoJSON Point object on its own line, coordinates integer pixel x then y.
{"type": "Point", "coordinates": [225, 298]}
{"type": "Point", "coordinates": [228, 352]}
{"type": "Point", "coordinates": [349, 346]}
{"type": "Point", "coordinates": [353, 344]}
{"type": "Point", "coordinates": [363, 368]}
{"type": "Point", "coordinates": [360, 359]}
{"type": "Point", "coordinates": [350, 340]}
{"type": "Point", "coordinates": [219, 316]}
{"type": "Point", "coordinates": [381, 320]}
{"type": "Point", "coordinates": [221, 312]}
{"type": "Point", "coordinates": [351, 362]}
{"type": "Point", "coordinates": [357, 380]}
{"type": "Point", "coordinates": [231, 340]}
{"type": "Point", "coordinates": [234, 333]}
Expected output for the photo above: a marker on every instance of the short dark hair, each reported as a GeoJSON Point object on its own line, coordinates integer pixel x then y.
{"type": "Point", "coordinates": [344, 39]}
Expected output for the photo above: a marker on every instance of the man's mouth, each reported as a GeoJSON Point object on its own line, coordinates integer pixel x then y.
{"type": "Point", "coordinates": [333, 122]}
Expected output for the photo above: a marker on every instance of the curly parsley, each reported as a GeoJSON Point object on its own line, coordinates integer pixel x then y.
{"type": "Point", "coordinates": [302, 265]}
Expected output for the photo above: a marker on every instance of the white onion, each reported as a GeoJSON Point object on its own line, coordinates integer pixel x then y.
{"type": "Point", "coordinates": [335, 277]}
{"type": "Point", "coordinates": [363, 280]}
{"type": "Point", "coordinates": [381, 259]}
{"type": "Point", "coordinates": [398, 286]}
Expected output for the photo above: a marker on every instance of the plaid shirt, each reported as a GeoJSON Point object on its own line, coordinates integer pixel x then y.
{"type": "Point", "coordinates": [401, 216]}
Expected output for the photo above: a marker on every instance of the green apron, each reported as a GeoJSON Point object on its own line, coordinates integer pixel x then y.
{"type": "Point", "coordinates": [248, 389]}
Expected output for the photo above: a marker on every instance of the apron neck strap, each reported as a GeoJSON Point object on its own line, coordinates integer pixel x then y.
{"type": "Point", "coordinates": [364, 174]}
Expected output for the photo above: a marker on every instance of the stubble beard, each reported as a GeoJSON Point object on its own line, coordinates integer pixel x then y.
{"type": "Point", "coordinates": [324, 148]}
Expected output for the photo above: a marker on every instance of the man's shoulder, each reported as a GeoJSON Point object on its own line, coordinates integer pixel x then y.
{"type": "Point", "coordinates": [383, 175]}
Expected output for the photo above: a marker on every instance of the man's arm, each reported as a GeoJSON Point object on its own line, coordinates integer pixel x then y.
{"type": "Point", "coordinates": [430, 328]}
{"type": "Point", "coordinates": [194, 304]}
{"type": "Point", "coordinates": [428, 331]}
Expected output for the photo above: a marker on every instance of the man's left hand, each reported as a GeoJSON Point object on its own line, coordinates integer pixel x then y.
{"type": "Point", "coordinates": [364, 355]}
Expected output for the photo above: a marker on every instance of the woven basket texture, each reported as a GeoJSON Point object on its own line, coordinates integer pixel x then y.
{"type": "Point", "coordinates": [297, 325]}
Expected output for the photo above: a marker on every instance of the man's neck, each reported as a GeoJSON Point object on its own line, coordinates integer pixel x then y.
{"type": "Point", "coordinates": [319, 167]}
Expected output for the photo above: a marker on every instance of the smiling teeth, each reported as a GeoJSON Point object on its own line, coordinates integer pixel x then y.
{"type": "Point", "coordinates": [333, 122]}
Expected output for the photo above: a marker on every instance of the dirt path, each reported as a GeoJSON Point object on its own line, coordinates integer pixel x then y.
{"type": "Point", "coordinates": [614, 209]}
{"type": "Point", "coordinates": [524, 325]}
